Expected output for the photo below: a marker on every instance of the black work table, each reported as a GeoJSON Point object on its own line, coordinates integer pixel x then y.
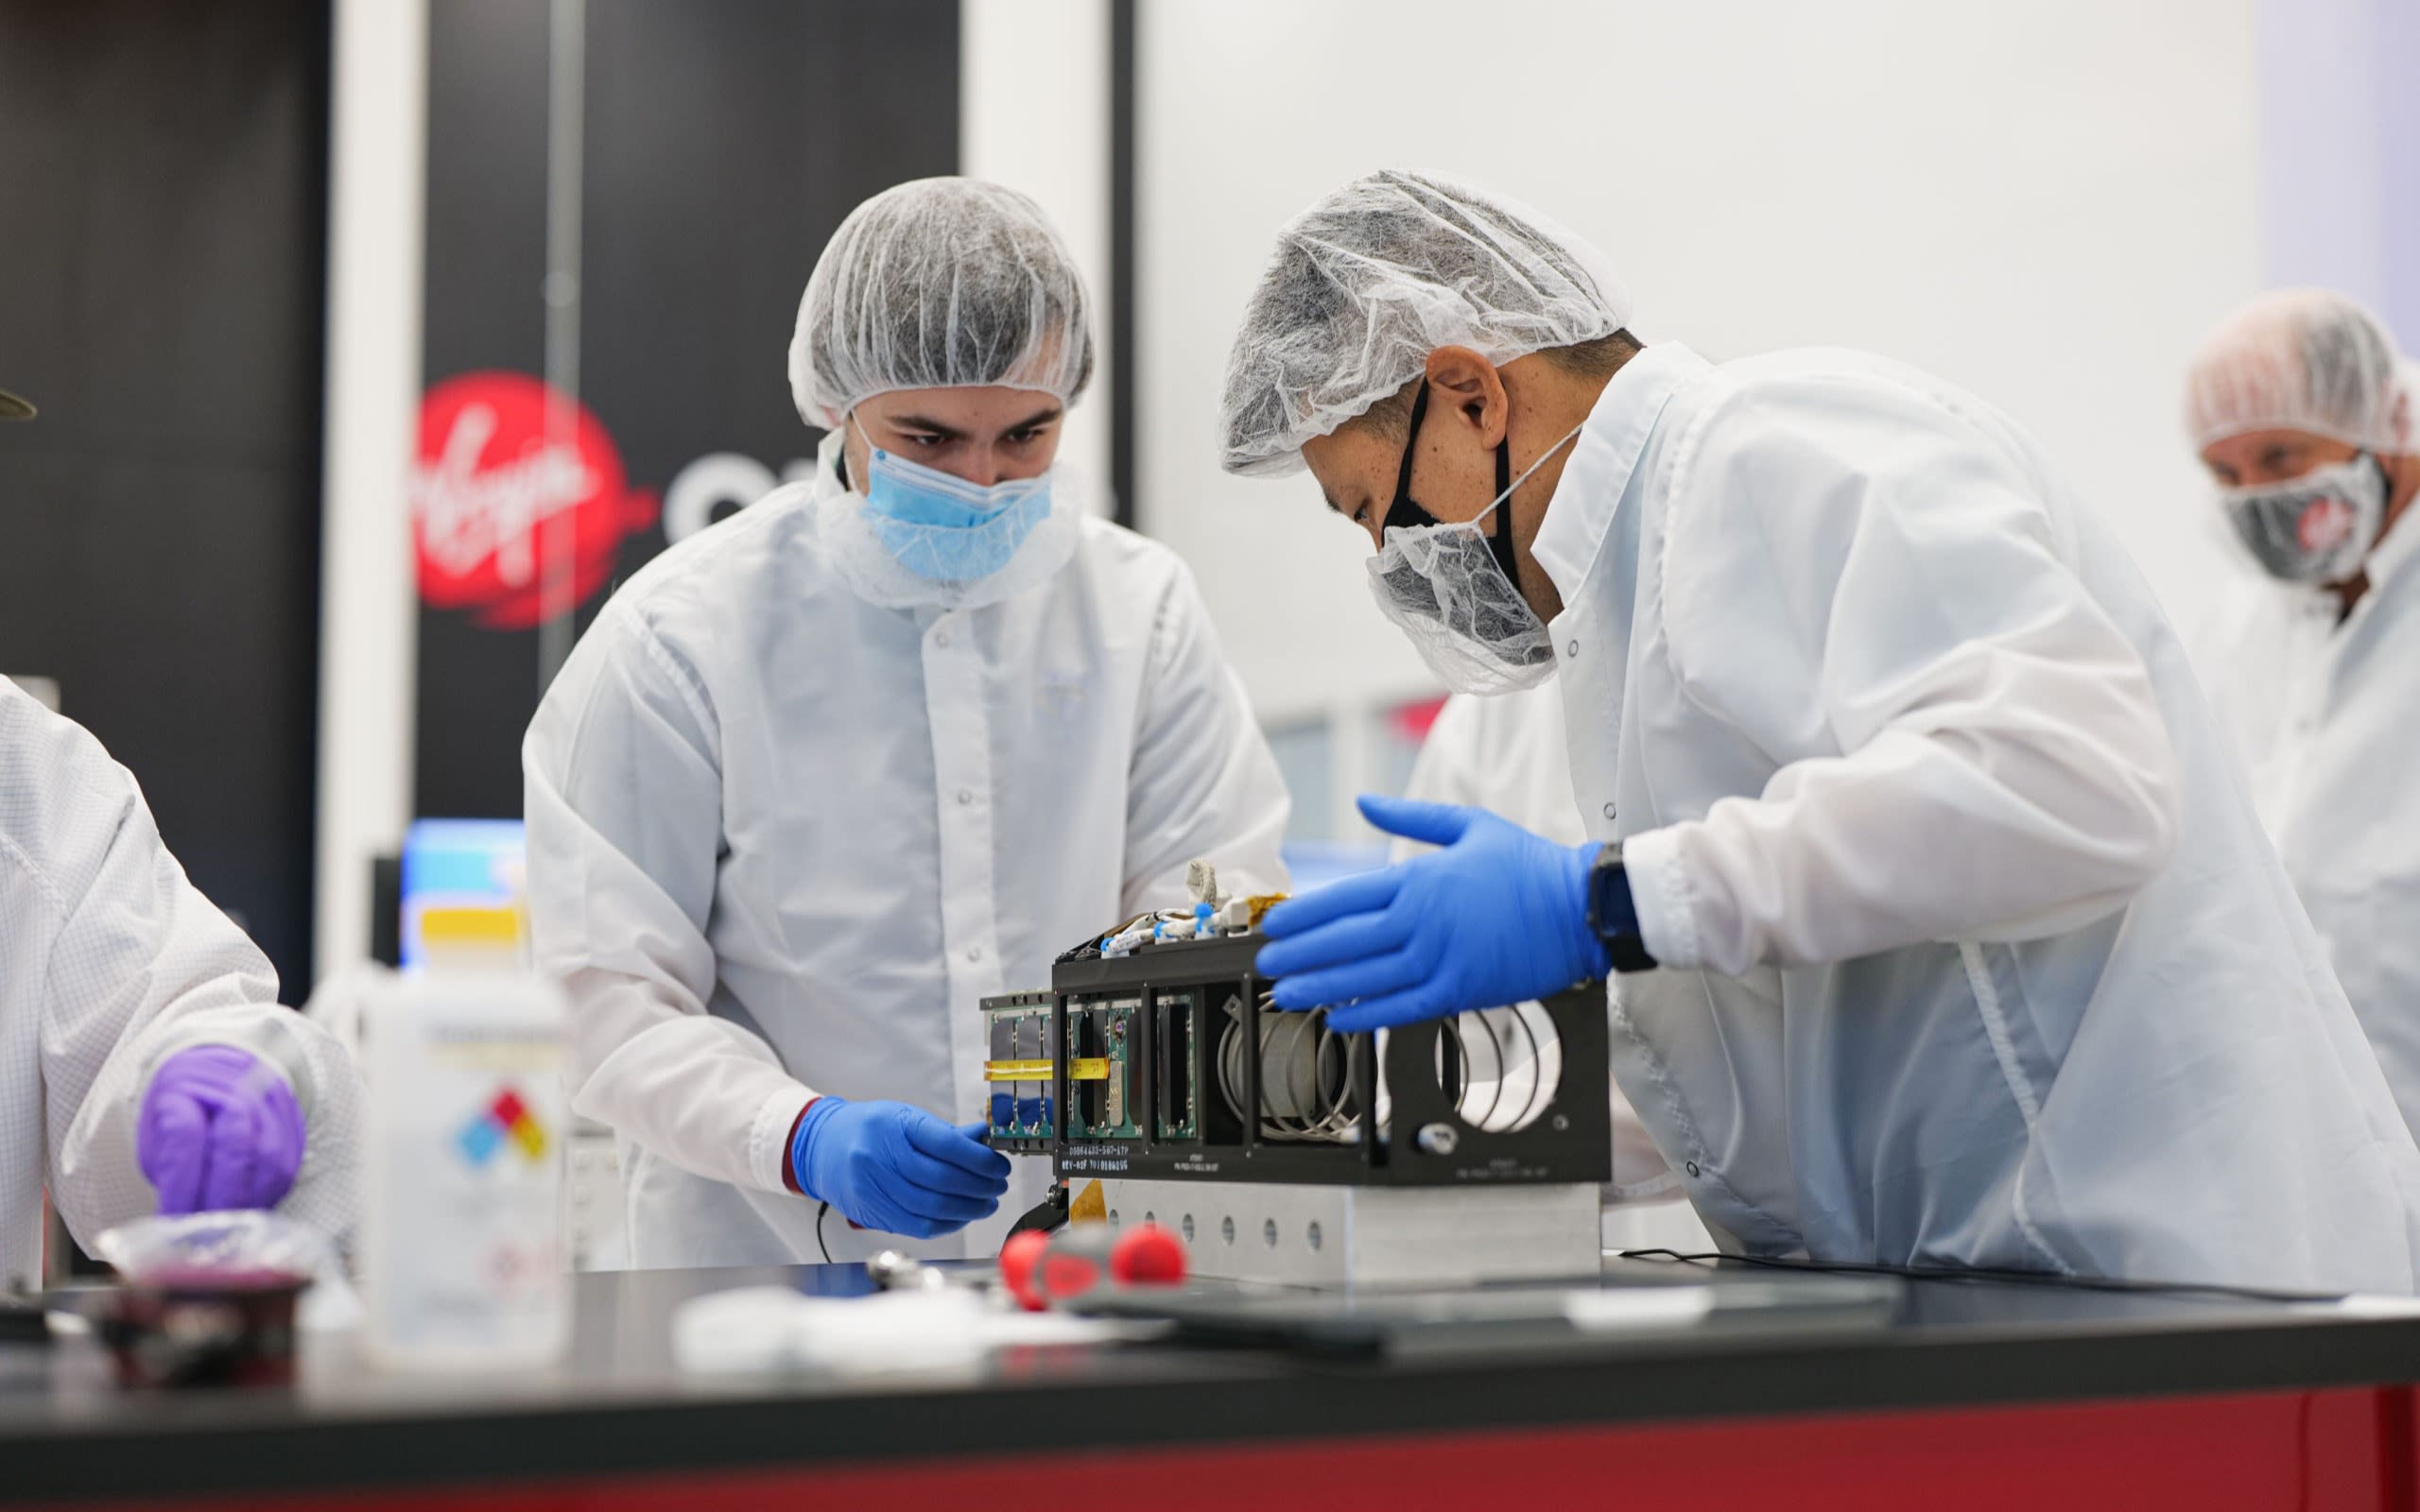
{"type": "Point", "coordinates": [1975, 1390]}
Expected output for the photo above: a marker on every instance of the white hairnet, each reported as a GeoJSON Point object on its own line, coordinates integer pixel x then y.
{"type": "Point", "coordinates": [2301, 360]}
{"type": "Point", "coordinates": [1378, 275]}
{"type": "Point", "coordinates": [940, 283]}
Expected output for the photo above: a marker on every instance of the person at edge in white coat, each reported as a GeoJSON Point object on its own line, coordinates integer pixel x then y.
{"type": "Point", "coordinates": [1955, 940]}
{"type": "Point", "coordinates": [144, 1063]}
{"type": "Point", "coordinates": [2302, 413]}
{"type": "Point", "coordinates": [1505, 754]}
{"type": "Point", "coordinates": [881, 745]}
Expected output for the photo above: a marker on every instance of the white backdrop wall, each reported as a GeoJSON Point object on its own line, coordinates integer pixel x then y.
{"type": "Point", "coordinates": [2340, 150]}
{"type": "Point", "coordinates": [2047, 203]}
{"type": "Point", "coordinates": [1033, 113]}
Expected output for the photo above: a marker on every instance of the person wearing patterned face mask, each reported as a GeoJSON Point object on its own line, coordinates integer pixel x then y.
{"type": "Point", "coordinates": [2302, 412]}
{"type": "Point", "coordinates": [2304, 415]}
{"type": "Point", "coordinates": [881, 745]}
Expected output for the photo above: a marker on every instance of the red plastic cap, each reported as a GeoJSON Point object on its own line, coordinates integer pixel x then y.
{"type": "Point", "coordinates": [1017, 1259]}
{"type": "Point", "coordinates": [1148, 1255]}
{"type": "Point", "coordinates": [1065, 1277]}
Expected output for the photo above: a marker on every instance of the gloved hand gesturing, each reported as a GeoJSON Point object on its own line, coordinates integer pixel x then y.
{"type": "Point", "coordinates": [896, 1168]}
{"type": "Point", "coordinates": [218, 1128]}
{"type": "Point", "coordinates": [1500, 915]}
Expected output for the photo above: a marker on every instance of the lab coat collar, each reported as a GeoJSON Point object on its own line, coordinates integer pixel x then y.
{"type": "Point", "coordinates": [2388, 561]}
{"type": "Point", "coordinates": [1603, 458]}
{"type": "Point", "coordinates": [2395, 550]}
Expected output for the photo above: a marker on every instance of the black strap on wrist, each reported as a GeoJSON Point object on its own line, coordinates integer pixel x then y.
{"type": "Point", "coordinates": [1617, 927]}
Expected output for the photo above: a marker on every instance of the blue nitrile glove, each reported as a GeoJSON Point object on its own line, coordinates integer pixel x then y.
{"type": "Point", "coordinates": [896, 1168]}
{"type": "Point", "coordinates": [1498, 916]}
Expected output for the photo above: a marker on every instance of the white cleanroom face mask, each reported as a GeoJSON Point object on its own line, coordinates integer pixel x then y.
{"type": "Point", "coordinates": [1446, 587]}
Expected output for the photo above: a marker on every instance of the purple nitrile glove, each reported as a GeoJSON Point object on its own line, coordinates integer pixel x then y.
{"type": "Point", "coordinates": [219, 1129]}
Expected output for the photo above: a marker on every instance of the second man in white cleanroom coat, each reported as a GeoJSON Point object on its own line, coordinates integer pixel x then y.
{"type": "Point", "coordinates": [1956, 942]}
{"type": "Point", "coordinates": [826, 775]}
{"type": "Point", "coordinates": [2304, 419]}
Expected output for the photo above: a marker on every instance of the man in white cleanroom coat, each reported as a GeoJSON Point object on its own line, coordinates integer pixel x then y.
{"type": "Point", "coordinates": [1955, 940]}
{"type": "Point", "coordinates": [145, 1063]}
{"type": "Point", "coordinates": [2304, 416]}
{"type": "Point", "coordinates": [885, 743]}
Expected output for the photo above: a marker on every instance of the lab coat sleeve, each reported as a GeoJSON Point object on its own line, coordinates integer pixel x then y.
{"type": "Point", "coordinates": [1203, 781]}
{"type": "Point", "coordinates": [1867, 586]}
{"type": "Point", "coordinates": [623, 801]}
{"type": "Point", "coordinates": [140, 965]}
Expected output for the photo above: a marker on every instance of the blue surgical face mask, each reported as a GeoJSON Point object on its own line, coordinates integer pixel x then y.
{"type": "Point", "coordinates": [942, 527]}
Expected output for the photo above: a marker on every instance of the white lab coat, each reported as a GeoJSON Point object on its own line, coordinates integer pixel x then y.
{"type": "Point", "coordinates": [781, 841]}
{"type": "Point", "coordinates": [1506, 754]}
{"type": "Point", "coordinates": [1975, 953]}
{"type": "Point", "coordinates": [2327, 718]}
{"type": "Point", "coordinates": [109, 962]}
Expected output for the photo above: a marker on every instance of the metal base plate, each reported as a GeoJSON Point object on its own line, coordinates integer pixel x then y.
{"type": "Point", "coordinates": [1371, 1236]}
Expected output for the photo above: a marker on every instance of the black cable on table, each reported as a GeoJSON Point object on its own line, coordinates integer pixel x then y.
{"type": "Point", "coordinates": [1977, 1273]}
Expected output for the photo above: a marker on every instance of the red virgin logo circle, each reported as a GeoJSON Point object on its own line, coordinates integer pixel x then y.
{"type": "Point", "coordinates": [519, 507]}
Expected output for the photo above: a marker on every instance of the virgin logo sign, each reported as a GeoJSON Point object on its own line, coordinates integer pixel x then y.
{"type": "Point", "coordinates": [519, 507]}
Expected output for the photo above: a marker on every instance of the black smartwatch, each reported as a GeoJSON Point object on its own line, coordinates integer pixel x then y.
{"type": "Point", "coordinates": [1613, 916]}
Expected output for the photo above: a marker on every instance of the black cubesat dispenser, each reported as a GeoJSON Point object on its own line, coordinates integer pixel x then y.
{"type": "Point", "coordinates": [1140, 1066]}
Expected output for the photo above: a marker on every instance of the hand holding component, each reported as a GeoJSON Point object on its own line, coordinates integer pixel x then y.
{"type": "Point", "coordinates": [218, 1128]}
{"type": "Point", "coordinates": [894, 1168]}
{"type": "Point", "coordinates": [1498, 916]}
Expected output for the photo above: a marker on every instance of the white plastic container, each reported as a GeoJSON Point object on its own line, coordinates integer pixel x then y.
{"type": "Point", "coordinates": [463, 1265]}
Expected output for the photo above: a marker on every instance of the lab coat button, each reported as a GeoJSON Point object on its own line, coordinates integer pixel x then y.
{"type": "Point", "coordinates": [1691, 1167]}
{"type": "Point", "coordinates": [940, 636]}
{"type": "Point", "coordinates": [965, 796]}
{"type": "Point", "coordinates": [975, 953]}
{"type": "Point", "coordinates": [1609, 811]}
{"type": "Point", "coordinates": [1573, 649]}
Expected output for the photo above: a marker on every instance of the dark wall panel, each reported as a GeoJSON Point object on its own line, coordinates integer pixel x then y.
{"type": "Point", "coordinates": [723, 142]}
{"type": "Point", "coordinates": [486, 258]}
{"type": "Point", "coordinates": [162, 224]}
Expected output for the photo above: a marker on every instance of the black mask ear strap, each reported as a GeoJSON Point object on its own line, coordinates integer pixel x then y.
{"type": "Point", "coordinates": [1402, 514]}
{"type": "Point", "coordinates": [1406, 514]}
